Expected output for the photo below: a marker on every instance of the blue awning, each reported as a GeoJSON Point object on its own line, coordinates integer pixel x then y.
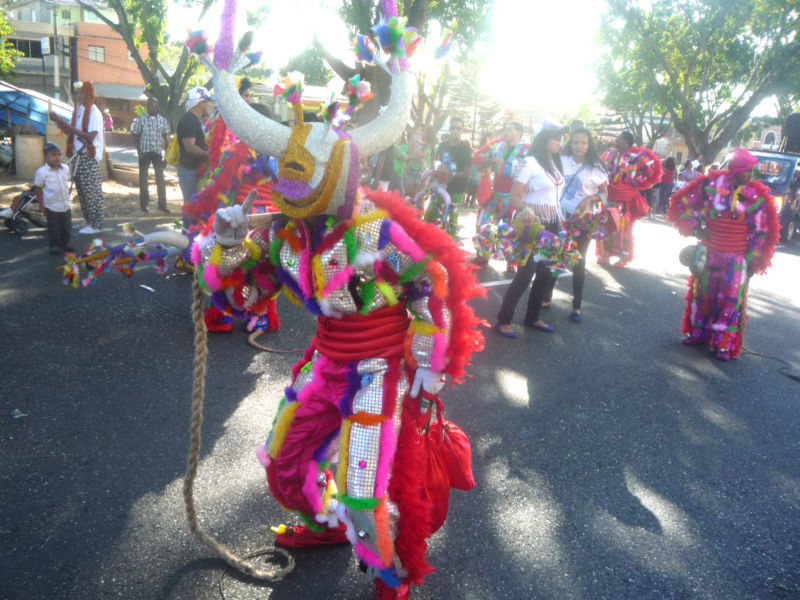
{"type": "Point", "coordinates": [20, 105]}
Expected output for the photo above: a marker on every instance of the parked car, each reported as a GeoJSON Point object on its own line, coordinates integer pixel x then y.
{"type": "Point", "coordinates": [780, 171]}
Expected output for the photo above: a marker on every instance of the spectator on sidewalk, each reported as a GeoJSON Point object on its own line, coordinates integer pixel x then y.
{"type": "Point", "coordinates": [192, 141]}
{"type": "Point", "coordinates": [108, 122]}
{"type": "Point", "coordinates": [52, 190]}
{"type": "Point", "coordinates": [152, 132]}
{"type": "Point", "coordinates": [86, 141]}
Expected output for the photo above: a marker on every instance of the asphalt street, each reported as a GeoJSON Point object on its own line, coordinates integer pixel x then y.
{"type": "Point", "coordinates": [612, 462]}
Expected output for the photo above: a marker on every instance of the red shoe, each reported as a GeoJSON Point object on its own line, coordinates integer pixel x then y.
{"type": "Point", "coordinates": [300, 536]}
{"type": "Point", "coordinates": [216, 320]}
{"type": "Point", "coordinates": [384, 592]}
{"type": "Point", "coordinates": [622, 264]}
{"type": "Point", "coordinates": [603, 260]}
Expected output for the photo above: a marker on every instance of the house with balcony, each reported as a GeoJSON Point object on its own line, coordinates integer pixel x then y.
{"type": "Point", "coordinates": [47, 31]}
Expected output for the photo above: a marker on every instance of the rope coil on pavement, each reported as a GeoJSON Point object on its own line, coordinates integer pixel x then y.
{"type": "Point", "coordinates": [198, 394]}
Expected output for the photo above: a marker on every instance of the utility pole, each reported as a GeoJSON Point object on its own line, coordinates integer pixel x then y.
{"type": "Point", "coordinates": [56, 55]}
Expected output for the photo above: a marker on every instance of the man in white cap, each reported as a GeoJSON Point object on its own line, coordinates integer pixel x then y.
{"type": "Point", "coordinates": [192, 140]}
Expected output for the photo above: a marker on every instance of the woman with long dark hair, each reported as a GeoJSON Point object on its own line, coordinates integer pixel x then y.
{"type": "Point", "coordinates": [584, 191]}
{"type": "Point", "coordinates": [535, 191]}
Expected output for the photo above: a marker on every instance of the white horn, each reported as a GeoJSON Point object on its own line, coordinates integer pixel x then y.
{"type": "Point", "coordinates": [255, 130]}
{"type": "Point", "coordinates": [382, 132]}
{"type": "Point", "coordinates": [173, 239]}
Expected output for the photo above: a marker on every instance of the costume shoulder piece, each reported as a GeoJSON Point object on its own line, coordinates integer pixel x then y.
{"type": "Point", "coordinates": [466, 338]}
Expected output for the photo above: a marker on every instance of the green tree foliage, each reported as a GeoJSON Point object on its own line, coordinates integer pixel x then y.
{"type": "Point", "coordinates": [310, 63]}
{"type": "Point", "coordinates": [141, 23]}
{"type": "Point", "coordinates": [706, 63]}
{"type": "Point", "coordinates": [7, 50]}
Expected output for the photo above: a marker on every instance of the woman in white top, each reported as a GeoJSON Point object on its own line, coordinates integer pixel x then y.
{"type": "Point", "coordinates": [536, 187]}
{"type": "Point", "coordinates": [585, 189]}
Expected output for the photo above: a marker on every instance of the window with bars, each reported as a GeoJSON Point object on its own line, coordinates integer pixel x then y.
{"type": "Point", "coordinates": [97, 53]}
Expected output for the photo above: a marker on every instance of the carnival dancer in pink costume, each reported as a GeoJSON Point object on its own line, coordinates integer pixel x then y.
{"type": "Point", "coordinates": [390, 294]}
{"type": "Point", "coordinates": [737, 224]}
{"type": "Point", "coordinates": [630, 169]}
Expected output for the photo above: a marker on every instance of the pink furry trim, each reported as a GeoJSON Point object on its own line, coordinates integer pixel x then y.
{"type": "Point", "coordinates": [404, 243]}
{"type": "Point", "coordinates": [196, 256]}
{"type": "Point", "coordinates": [439, 355]}
{"type": "Point", "coordinates": [303, 279]}
{"type": "Point", "coordinates": [368, 556]}
{"type": "Point", "coordinates": [773, 229]}
{"type": "Point", "coordinates": [261, 277]}
{"type": "Point", "coordinates": [311, 489]}
{"type": "Point", "coordinates": [388, 446]}
{"type": "Point", "coordinates": [678, 207]}
{"type": "Point", "coordinates": [263, 456]}
{"type": "Point", "coordinates": [338, 280]}
{"type": "Point", "coordinates": [686, 325]}
{"type": "Point", "coordinates": [212, 278]}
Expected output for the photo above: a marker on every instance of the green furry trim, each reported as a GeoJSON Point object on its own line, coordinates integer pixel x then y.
{"type": "Point", "coordinates": [367, 296]}
{"type": "Point", "coordinates": [330, 222]}
{"type": "Point", "coordinates": [358, 503]}
{"type": "Point", "coordinates": [200, 268]}
{"type": "Point", "coordinates": [250, 263]}
{"type": "Point", "coordinates": [412, 271]}
{"type": "Point", "coordinates": [311, 523]}
{"type": "Point", "coordinates": [306, 367]}
{"type": "Point", "coordinates": [350, 244]}
{"type": "Point", "coordinates": [275, 251]}
{"type": "Point", "coordinates": [756, 205]}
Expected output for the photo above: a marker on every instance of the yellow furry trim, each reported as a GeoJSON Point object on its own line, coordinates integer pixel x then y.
{"type": "Point", "coordinates": [424, 328]}
{"type": "Point", "coordinates": [319, 274]}
{"type": "Point", "coordinates": [215, 258]}
{"type": "Point", "coordinates": [387, 291]}
{"type": "Point", "coordinates": [344, 456]}
{"type": "Point", "coordinates": [330, 492]}
{"type": "Point", "coordinates": [255, 251]}
{"type": "Point", "coordinates": [370, 216]}
{"type": "Point", "coordinates": [291, 297]}
{"type": "Point", "coordinates": [281, 427]}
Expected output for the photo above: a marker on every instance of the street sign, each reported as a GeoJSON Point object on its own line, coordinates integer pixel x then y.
{"type": "Point", "coordinates": [45, 45]}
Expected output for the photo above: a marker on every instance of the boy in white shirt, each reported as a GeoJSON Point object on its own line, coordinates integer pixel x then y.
{"type": "Point", "coordinates": [52, 189]}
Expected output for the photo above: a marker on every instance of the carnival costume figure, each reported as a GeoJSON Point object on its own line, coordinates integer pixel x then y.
{"type": "Point", "coordinates": [390, 294]}
{"type": "Point", "coordinates": [736, 221]}
{"type": "Point", "coordinates": [500, 156]}
{"type": "Point", "coordinates": [630, 169]}
{"type": "Point", "coordinates": [234, 170]}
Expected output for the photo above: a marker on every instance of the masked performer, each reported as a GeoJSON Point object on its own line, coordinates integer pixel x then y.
{"type": "Point", "coordinates": [501, 156]}
{"type": "Point", "coordinates": [736, 221]}
{"type": "Point", "coordinates": [390, 295]}
{"type": "Point", "coordinates": [630, 169]}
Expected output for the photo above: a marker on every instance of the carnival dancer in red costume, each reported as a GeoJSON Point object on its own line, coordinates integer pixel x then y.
{"type": "Point", "coordinates": [501, 156]}
{"type": "Point", "coordinates": [390, 293]}
{"type": "Point", "coordinates": [737, 224]}
{"type": "Point", "coordinates": [630, 169]}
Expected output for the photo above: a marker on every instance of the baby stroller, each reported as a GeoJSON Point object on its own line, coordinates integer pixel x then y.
{"type": "Point", "coordinates": [23, 206]}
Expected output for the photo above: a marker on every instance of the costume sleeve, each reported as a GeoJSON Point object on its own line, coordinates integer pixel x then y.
{"type": "Point", "coordinates": [763, 228]}
{"type": "Point", "coordinates": [425, 283]}
{"type": "Point", "coordinates": [241, 279]}
{"type": "Point", "coordinates": [135, 126]}
{"type": "Point", "coordinates": [687, 206]}
{"type": "Point", "coordinates": [38, 178]}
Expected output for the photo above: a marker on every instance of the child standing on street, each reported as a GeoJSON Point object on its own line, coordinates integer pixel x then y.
{"type": "Point", "coordinates": [52, 189]}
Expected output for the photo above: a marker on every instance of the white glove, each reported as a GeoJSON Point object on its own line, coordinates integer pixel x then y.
{"type": "Point", "coordinates": [425, 379]}
{"type": "Point", "coordinates": [230, 223]}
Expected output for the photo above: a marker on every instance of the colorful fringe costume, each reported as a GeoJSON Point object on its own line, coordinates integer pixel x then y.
{"type": "Point", "coordinates": [390, 294]}
{"type": "Point", "coordinates": [501, 158]}
{"type": "Point", "coordinates": [742, 228]}
{"type": "Point", "coordinates": [633, 170]}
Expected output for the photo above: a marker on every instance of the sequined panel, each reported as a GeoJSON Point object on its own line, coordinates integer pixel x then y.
{"type": "Point", "coordinates": [402, 389]}
{"type": "Point", "coordinates": [231, 257]}
{"type": "Point", "coordinates": [379, 300]}
{"type": "Point", "coordinates": [290, 260]}
{"type": "Point", "coordinates": [396, 259]}
{"type": "Point", "coordinates": [364, 524]}
{"type": "Point", "coordinates": [334, 260]}
{"type": "Point", "coordinates": [420, 307]}
{"type": "Point", "coordinates": [365, 440]}
{"type": "Point", "coordinates": [365, 206]}
{"type": "Point", "coordinates": [260, 240]}
{"type": "Point", "coordinates": [342, 300]}
{"type": "Point", "coordinates": [421, 349]}
{"type": "Point", "coordinates": [367, 236]}
{"type": "Point", "coordinates": [304, 377]}
{"type": "Point", "coordinates": [364, 446]}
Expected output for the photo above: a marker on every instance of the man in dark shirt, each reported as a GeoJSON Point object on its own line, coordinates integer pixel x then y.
{"type": "Point", "coordinates": [455, 156]}
{"type": "Point", "coordinates": [192, 140]}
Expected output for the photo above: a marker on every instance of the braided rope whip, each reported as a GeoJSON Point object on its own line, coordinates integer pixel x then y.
{"type": "Point", "coordinates": [198, 393]}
